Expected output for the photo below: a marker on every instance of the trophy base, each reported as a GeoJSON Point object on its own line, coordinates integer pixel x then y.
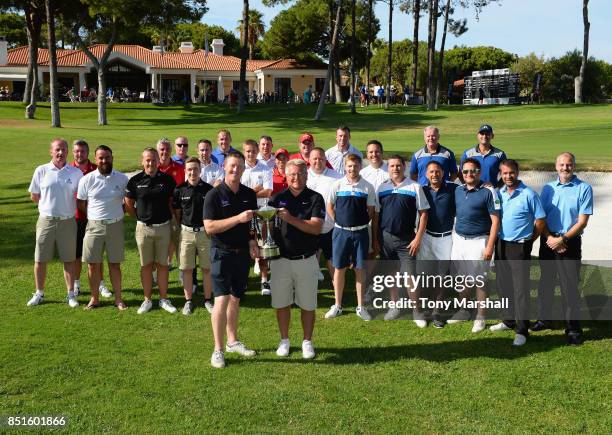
{"type": "Point", "coordinates": [269, 252]}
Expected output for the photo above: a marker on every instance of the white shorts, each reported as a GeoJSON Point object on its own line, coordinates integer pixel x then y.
{"type": "Point", "coordinates": [295, 281]}
{"type": "Point", "coordinates": [467, 255]}
{"type": "Point", "coordinates": [435, 248]}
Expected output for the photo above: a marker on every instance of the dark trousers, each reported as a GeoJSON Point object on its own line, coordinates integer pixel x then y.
{"type": "Point", "coordinates": [567, 267]}
{"type": "Point", "coordinates": [512, 267]}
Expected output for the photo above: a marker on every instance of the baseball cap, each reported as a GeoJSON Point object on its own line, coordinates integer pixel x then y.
{"type": "Point", "coordinates": [306, 136]}
{"type": "Point", "coordinates": [281, 151]}
{"type": "Point", "coordinates": [485, 128]}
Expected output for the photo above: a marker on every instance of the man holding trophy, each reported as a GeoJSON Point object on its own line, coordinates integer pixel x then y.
{"type": "Point", "coordinates": [301, 213]}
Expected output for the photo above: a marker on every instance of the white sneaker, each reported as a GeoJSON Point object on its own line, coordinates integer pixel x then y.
{"type": "Point", "coordinates": [72, 301]}
{"type": "Point", "coordinates": [265, 288]}
{"type": "Point", "coordinates": [256, 269]}
{"type": "Point", "coordinates": [392, 314]}
{"type": "Point", "coordinates": [334, 311]}
{"type": "Point", "coordinates": [181, 277]}
{"type": "Point", "coordinates": [320, 276]}
{"type": "Point", "coordinates": [217, 360]}
{"type": "Point", "coordinates": [363, 313]}
{"type": "Point", "coordinates": [209, 306]}
{"type": "Point", "coordinates": [145, 307]}
{"type": "Point", "coordinates": [36, 299]}
{"type": "Point", "coordinates": [519, 340]}
{"type": "Point", "coordinates": [167, 305]}
{"type": "Point", "coordinates": [239, 348]}
{"type": "Point", "coordinates": [104, 292]}
{"type": "Point", "coordinates": [479, 325]}
{"type": "Point", "coordinates": [308, 351]}
{"type": "Point", "coordinates": [77, 287]}
{"type": "Point", "coordinates": [501, 326]}
{"type": "Point", "coordinates": [283, 348]}
{"type": "Point", "coordinates": [188, 308]}
{"type": "Point", "coordinates": [421, 323]}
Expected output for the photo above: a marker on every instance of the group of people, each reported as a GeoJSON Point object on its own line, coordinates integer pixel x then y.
{"type": "Point", "coordinates": [202, 207]}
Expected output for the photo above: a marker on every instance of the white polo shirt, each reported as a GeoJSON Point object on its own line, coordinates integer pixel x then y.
{"type": "Point", "coordinates": [104, 194]}
{"type": "Point", "coordinates": [211, 173]}
{"type": "Point", "coordinates": [322, 183]}
{"type": "Point", "coordinates": [256, 175]}
{"type": "Point", "coordinates": [335, 157]}
{"type": "Point", "coordinates": [56, 188]}
{"type": "Point", "coordinates": [375, 176]}
{"type": "Point", "coordinates": [270, 163]}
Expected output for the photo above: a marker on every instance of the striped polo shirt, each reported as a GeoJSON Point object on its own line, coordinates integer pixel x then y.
{"type": "Point", "coordinates": [351, 201]}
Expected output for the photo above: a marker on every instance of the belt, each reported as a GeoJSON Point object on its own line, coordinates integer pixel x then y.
{"type": "Point", "coordinates": [516, 241]}
{"type": "Point", "coordinates": [434, 234]}
{"type": "Point", "coordinates": [192, 229]}
{"type": "Point", "coordinates": [154, 225]}
{"type": "Point", "coordinates": [360, 227]}
{"type": "Point", "coordinates": [471, 237]}
{"type": "Point", "coordinates": [56, 218]}
{"type": "Point", "coordinates": [300, 257]}
{"type": "Point", "coordinates": [106, 221]}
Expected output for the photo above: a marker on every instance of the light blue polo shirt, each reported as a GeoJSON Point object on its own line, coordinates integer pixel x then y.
{"type": "Point", "coordinates": [519, 212]}
{"type": "Point", "coordinates": [489, 163]}
{"type": "Point", "coordinates": [422, 157]}
{"type": "Point", "coordinates": [564, 202]}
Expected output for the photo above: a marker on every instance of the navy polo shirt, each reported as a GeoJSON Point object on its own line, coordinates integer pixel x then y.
{"type": "Point", "coordinates": [519, 212]}
{"type": "Point", "coordinates": [422, 157]}
{"type": "Point", "coordinates": [398, 207]}
{"type": "Point", "coordinates": [489, 163]}
{"type": "Point", "coordinates": [564, 202]}
{"type": "Point", "coordinates": [351, 201]}
{"type": "Point", "coordinates": [441, 207]}
{"type": "Point", "coordinates": [474, 207]}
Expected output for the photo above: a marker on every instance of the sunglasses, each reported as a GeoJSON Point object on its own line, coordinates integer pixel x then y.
{"type": "Point", "coordinates": [471, 171]}
{"type": "Point", "coordinates": [181, 145]}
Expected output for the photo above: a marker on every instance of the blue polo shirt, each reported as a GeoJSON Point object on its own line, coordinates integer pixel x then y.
{"type": "Point", "coordinates": [564, 202]}
{"type": "Point", "coordinates": [489, 163]}
{"type": "Point", "coordinates": [218, 156]}
{"type": "Point", "coordinates": [422, 157]}
{"type": "Point", "coordinates": [519, 212]}
{"type": "Point", "coordinates": [351, 201]}
{"type": "Point", "coordinates": [441, 207]}
{"type": "Point", "coordinates": [398, 207]}
{"type": "Point", "coordinates": [178, 160]}
{"type": "Point", "coordinates": [474, 207]}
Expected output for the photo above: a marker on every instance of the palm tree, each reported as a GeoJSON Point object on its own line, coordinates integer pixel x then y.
{"type": "Point", "coordinates": [53, 84]}
{"type": "Point", "coordinates": [244, 39]}
{"type": "Point", "coordinates": [578, 81]}
{"type": "Point", "coordinates": [256, 30]}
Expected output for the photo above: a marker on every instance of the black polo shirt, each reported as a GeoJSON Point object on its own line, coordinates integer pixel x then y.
{"type": "Point", "coordinates": [292, 241]}
{"type": "Point", "coordinates": [222, 203]}
{"type": "Point", "coordinates": [152, 195]}
{"type": "Point", "coordinates": [190, 199]}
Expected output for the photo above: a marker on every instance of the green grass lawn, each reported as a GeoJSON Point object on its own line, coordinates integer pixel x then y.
{"type": "Point", "coordinates": [116, 371]}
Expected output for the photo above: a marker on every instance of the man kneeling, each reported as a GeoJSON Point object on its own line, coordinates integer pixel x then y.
{"type": "Point", "coordinates": [295, 273]}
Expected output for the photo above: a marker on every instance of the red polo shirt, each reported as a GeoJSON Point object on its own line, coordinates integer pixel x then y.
{"type": "Point", "coordinates": [279, 181]}
{"type": "Point", "coordinates": [175, 170]}
{"type": "Point", "coordinates": [90, 167]}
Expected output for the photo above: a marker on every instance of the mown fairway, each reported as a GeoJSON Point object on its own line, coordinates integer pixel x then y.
{"type": "Point", "coordinates": [119, 372]}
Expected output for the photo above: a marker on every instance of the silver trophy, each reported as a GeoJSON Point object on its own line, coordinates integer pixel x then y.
{"type": "Point", "coordinates": [263, 223]}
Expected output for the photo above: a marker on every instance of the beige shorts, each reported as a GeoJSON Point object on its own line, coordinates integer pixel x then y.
{"type": "Point", "coordinates": [192, 244]}
{"type": "Point", "coordinates": [99, 236]}
{"type": "Point", "coordinates": [175, 233]}
{"type": "Point", "coordinates": [52, 232]}
{"type": "Point", "coordinates": [153, 243]}
{"type": "Point", "coordinates": [295, 281]}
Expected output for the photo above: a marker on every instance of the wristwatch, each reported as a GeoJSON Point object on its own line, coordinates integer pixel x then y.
{"type": "Point", "coordinates": [565, 239]}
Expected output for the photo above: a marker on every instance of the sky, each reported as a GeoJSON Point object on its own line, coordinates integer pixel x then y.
{"type": "Point", "coordinates": [545, 27]}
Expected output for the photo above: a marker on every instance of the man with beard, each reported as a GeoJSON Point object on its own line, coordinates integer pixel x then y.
{"type": "Point", "coordinates": [100, 195]}
{"type": "Point", "coordinates": [53, 188]}
{"type": "Point", "coordinates": [80, 151]}
{"type": "Point", "coordinates": [147, 198]}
